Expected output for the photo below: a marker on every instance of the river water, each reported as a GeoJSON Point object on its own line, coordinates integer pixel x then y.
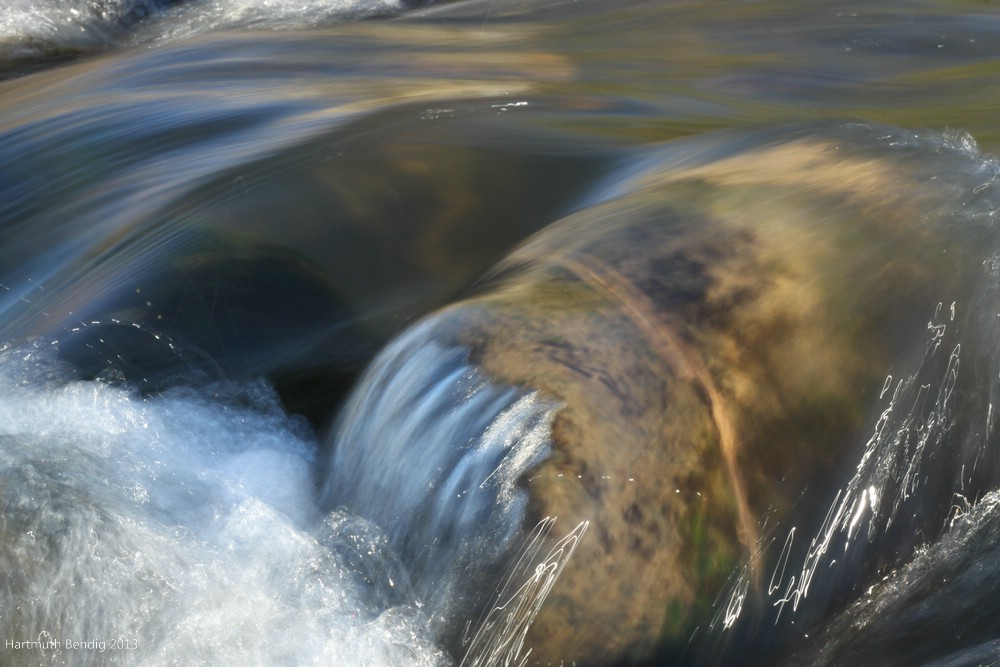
{"type": "Point", "coordinates": [270, 392]}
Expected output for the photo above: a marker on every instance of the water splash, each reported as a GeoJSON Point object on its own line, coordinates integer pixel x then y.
{"type": "Point", "coordinates": [180, 527]}
{"type": "Point", "coordinates": [449, 447]}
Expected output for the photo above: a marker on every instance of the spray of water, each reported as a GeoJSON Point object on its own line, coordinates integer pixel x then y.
{"type": "Point", "coordinates": [449, 448]}
{"type": "Point", "coordinates": [180, 528]}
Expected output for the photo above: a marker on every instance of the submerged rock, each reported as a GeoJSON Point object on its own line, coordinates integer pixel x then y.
{"type": "Point", "coordinates": [715, 339]}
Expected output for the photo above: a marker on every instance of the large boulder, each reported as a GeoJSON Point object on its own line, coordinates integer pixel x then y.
{"type": "Point", "coordinates": [713, 340]}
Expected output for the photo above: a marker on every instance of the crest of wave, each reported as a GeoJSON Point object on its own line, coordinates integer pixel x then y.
{"type": "Point", "coordinates": [40, 28]}
{"type": "Point", "coordinates": [195, 18]}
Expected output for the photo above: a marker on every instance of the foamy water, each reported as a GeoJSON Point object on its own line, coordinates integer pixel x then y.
{"type": "Point", "coordinates": [32, 29]}
{"type": "Point", "coordinates": [179, 528]}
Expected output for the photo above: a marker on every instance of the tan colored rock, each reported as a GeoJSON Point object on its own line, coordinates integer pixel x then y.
{"type": "Point", "coordinates": [714, 339]}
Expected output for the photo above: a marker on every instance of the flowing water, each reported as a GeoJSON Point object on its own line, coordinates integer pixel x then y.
{"type": "Point", "coordinates": [267, 385]}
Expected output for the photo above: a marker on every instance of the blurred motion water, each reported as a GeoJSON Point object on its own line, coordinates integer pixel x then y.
{"type": "Point", "coordinates": [732, 267]}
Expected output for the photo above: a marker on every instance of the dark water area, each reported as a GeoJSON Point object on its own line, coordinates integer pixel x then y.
{"type": "Point", "coordinates": [499, 333]}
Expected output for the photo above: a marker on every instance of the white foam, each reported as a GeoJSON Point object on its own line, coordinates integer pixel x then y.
{"type": "Point", "coordinates": [196, 18]}
{"type": "Point", "coordinates": [182, 526]}
{"type": "Point", "coordinates": [31, 28]}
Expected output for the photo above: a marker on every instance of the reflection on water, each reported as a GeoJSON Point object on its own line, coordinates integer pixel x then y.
{"type": "Point", "coordinates": [708, 374]}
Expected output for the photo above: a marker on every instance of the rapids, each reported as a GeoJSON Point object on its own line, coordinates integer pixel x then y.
{"type": "Point", "coordinates": [377, 332]}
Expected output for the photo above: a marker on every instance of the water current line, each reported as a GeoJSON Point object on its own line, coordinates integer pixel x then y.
{"type": "Point", "coordinates": [499, 639]}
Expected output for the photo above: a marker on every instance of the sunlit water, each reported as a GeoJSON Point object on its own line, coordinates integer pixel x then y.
{"type": "Point", "coordinates": [213, 215]}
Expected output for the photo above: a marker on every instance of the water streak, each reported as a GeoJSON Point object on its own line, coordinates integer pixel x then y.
{"type": "Point", "coordinates": [428, 430]}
